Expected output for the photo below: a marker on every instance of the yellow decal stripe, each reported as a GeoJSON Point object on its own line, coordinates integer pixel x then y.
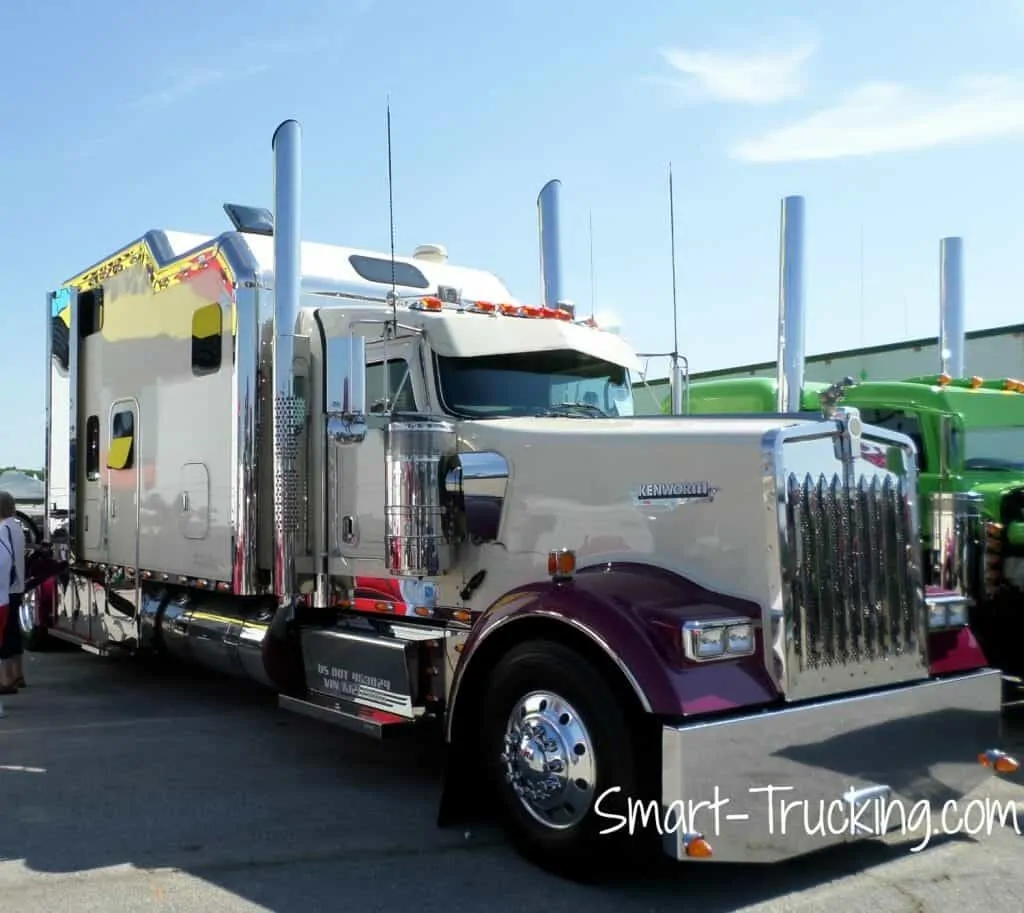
{"type": "Point", "coordinates": [160, 277]}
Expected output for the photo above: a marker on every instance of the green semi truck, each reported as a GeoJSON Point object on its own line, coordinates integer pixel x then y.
{"type": "Point", "coordinates": [970, 438]}
{"type": "Point", "coordinates": [969, 432]}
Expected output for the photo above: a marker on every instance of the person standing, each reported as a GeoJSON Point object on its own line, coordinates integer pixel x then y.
{"type": "Point", "coordinates": [7, 571]}
{"type": "Point", "coordinates": [12, 542]}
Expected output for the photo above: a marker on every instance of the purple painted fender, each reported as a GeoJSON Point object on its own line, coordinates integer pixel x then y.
{"type": "Point", "coordinates": [634, 614]}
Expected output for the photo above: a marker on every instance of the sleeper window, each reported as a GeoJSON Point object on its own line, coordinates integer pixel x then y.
{"type": "Point", "coordinates": [92, 448]}
{"type": "Point", "coordinates": [122, 440]}
{"type": "Point", "coordinates": [207, 339]}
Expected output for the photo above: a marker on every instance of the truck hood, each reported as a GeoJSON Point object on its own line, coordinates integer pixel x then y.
{"type": "Point", "coordinates": [633, 428]}
{"type": "Point", "coordinates": [993, 486]}
{"type": "Point", "coordinates": [692, 495]}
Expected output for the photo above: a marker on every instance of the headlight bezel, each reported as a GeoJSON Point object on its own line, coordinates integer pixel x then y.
{"type": "Point", "coordinates": [736, 637]}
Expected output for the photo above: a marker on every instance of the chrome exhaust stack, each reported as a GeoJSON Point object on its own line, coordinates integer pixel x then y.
{"type": "Point", "coordinates": [952, 325]}
{"type": "Point", "coordinates": [792, 316]}
{"type": "Point", "coordinates": [549, 218]}
{"type": "Point", "coordinates": [288, 410]}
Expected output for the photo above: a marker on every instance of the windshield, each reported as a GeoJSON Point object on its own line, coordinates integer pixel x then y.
{"type": "Point", "coordinates": [563, 382]}
{"type": "Point", "coordinates": [993, 448]}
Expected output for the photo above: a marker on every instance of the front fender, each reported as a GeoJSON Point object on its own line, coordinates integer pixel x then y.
{"type": "Point", "coordinates": [632, 614]}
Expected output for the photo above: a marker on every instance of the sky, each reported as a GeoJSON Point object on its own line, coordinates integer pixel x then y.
{"type": "Point", "coordinates": [900, 123]}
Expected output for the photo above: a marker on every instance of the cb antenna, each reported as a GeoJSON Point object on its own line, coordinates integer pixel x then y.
{"type": "Point", "coordinates": [591, 265]}
{"type": "Point", "coordinates": [675, 304]}
{"type": "Point", "coordinates": [391, 220]}
{"type": "Point", "coordinates": [680, 399]}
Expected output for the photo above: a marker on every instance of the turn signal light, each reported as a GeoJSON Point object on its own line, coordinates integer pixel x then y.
{"type": "Point", "coordinates": [562, 564]}
{"type": "Point", "coordinates": [696, 847]}
{"type": "Point", "coordinates": [433, 304]}
{"type": "Point", "coordinates": [999, 761]}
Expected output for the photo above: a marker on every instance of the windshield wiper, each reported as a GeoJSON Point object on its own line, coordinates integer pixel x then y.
{"type": "Point", "coordinates": [575, 409]}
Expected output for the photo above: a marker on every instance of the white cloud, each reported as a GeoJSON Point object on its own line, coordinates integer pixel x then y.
{"type": "Point", "coordinates": [754, 78]}
{"type": "Point", "coordinates": [888, 117]}
{"type": "Point", "coordinates": [190, 80]}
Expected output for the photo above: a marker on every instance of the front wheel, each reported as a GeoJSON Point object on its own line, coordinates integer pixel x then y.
{"type": "Point", "coordinates": [33, 636]}
{"type": "Point", "coordinates": [556, 739]}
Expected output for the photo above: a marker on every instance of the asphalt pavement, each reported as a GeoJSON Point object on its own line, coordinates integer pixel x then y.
{"type": "Point", "coordinates": [125, 788]}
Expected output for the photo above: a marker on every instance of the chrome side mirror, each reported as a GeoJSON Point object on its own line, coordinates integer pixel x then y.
{"type": "Point", "coordinates": [345, 394]}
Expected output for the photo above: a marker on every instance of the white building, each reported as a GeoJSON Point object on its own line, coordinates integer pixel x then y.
{"type": "Point", "coordinates": [995, 352]}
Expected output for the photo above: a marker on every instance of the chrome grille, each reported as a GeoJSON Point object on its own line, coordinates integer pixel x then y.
{"type": "Point", "coordinates": [854, 608]}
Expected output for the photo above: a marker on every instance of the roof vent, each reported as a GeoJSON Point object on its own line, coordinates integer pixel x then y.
{"type": "Point", "coordinates": [432, 253]}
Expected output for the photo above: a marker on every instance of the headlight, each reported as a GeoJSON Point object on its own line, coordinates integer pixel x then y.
{"type": "Point", "coordinates": [718, 639]}
{"type": "Point", "coordinates": [950, 613]}
{"type": "Point", "coordinates": [739, 639]}
{"type": "Point", "coordinates": [956, 616]}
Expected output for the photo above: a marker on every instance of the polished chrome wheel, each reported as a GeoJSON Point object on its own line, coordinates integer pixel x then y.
{"type": "Point", "coordinates": [27, 612]}
{"type": "Point", "coordinates": [549, 759]}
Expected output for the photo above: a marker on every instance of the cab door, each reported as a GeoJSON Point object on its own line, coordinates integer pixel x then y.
{"type": "Point", "coordinates": [393, 385]}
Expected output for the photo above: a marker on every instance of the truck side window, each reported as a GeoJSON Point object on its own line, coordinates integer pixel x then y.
{"type": "Point", "coordinates": [90, 312]}
{"type": "Point", "coordinates": [902, 422]}
{"type": "Point", "coordinates": [399, 389]}
{"type": "Point", "coordinates": [207, 337]}
{"type": "Point", "coordinates": [122, 440]}
{"type": "Point", "coordinates": [92, 448]}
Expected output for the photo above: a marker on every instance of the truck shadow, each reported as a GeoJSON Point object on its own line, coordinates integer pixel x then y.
{"type": "Point", "coordinates": [113, 764]}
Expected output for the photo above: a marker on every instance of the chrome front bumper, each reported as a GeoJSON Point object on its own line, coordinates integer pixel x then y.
{"type": "Point", "coordinates": [903, 747]}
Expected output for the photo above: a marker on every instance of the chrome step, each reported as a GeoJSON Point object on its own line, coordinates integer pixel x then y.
{"type": "Point", "coordinates": [366, 720]}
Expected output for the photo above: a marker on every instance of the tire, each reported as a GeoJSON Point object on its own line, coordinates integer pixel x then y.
{"type": "Point", "coordinates": [588, 729]}
{"type": "Point", "coordinates": [30, 530]}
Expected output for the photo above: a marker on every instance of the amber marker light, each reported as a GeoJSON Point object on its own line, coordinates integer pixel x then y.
{"type": "Point", "coordinates": [562, 564]}
{"type": "Point", "coordinates": [696, 847]}
{"type": "Point", "coordinates": [999, 761]}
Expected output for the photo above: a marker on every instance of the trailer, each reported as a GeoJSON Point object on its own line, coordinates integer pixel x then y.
{"type": "Point", "coordinates": [397, 495]}
{"type": "Point", "coordinates": [968, 429]}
